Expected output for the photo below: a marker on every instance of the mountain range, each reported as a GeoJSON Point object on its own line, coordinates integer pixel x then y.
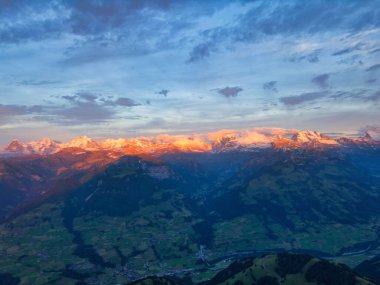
{"type": "Point", "coordinates": [211, 142]}
{"type": "Point", "coordinates": [118, 211]}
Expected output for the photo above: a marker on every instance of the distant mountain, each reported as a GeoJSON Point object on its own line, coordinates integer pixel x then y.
{"type": "Point", "coordinates": [15, 146]}
{"type": "Point", "coordinates": [224, 140]}
{"type": "Point", "coordinates": [44, 146]}
{"type": "Point", "coordinates": [283, 268]}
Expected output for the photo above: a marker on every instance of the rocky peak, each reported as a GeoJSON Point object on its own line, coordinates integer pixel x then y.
{"type": "Point", "coordinates": [367, 136]}
{"type": "Point", "coordinates": [82, 142]}
{"type": "Point", "coordinates": [307, 136]}
{"type": "Point", "coordinates": [15, 146]}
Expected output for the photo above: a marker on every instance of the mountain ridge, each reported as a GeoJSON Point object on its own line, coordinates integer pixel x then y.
{"type": "Point", "coordinates": [275, 269]}
{"type": "Point", "coordinates": [223, 140]}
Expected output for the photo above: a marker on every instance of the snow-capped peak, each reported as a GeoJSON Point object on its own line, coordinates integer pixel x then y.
{"type": "Point", "coordinates": [312, 137]}
{"type": "Point", "coordinates": [15, 146]}
{"type": "Point", "coordinates": [306, 136]}
{"type": "Point", "coordinates": [224, 140]}
{"type": "Point", "coordinates": [44, 146]}
{"type": "Point", "coordinates": [82, 142]}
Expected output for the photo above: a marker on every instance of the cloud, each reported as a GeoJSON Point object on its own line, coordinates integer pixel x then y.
{"type": "Point", "coordinates": [321, 80]}
{"type": "Point", "coordinates": [13, 110]}
{"type": "Point", "coordinates": [134, 45]}
{"type": "Point", "coordinates": [374, 96]}
{"type": "Point", "coordinates": [31, 21]}
{"type": "Point", "coordinates": [39, 20]}
{"type": "Point", "coordinates": [163, 92]}
{"type": "Point", "coordinates": [82, 113]}
{"type": "Point", "coordinates": [271, 86]}
{"type": "Point", "coordinates": [375, 50]}
{"type": "Point", "coordinates": [87, 96]}
{"type": "Point", "coordinates": [374, 67]}
{"type": "Point", "coordinates": [201, 51]}
{"type": "Point", "coordinates": [344, 51]}
{"type": "Point", "coordinates": [7, 112]}
{"type": "Point", "coordinates": [81, 96]}
{"type": "Point", "coordinates": [371, 81]}
{"type": "Point", "coordinates": [350, 94]}
{"type": "Point", "coordinates": [127, 102]}
{"type": "Point", "coordinates": [94, 17]}
{"type": "Point", "coordinates": [87, 31]}
{"type": "Point", "coordinates": [352, 60]}
{"type": "Point", "coordinates": [364, 95]}
{"type": "Point", "coordinates": [302, 98]}
{"type": "Point", "coordinates": [230, 91]}
{"type": "Point", "coordinates": [104, 28]}
{"type": "Point", "coordinates": [38, 82]}
{"type": "Point", "coordinates": [81, 108]}
{"type": "Point", "coordinates": [296, 17]}
{"type": "Point", "coordinates": [69, 98]}
{"type": "Point", "coordinates": [312, 57]}
{"type": "Point", "coordinates": [86, 107]}
{"type": "Point", "coordinates": [289, 18]}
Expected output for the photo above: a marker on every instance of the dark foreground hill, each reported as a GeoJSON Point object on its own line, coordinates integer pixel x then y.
{"type": "Point", "coordinates": [279, 269]}
{"type": "Point", "coordinates": [370, 268]}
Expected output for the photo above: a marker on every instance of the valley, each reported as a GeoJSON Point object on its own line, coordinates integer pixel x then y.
{"type": "Point", "coordinates": [114, 218]}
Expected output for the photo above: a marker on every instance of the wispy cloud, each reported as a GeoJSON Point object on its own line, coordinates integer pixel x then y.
{"type": "Point", "coordinates": [289, 18]}
{"type": "Point", "coordinates": [271, 86]}
{"type": "Point", "coordinates": [321, 80]}
{"type": "Point", "coordinates": [126, 102]}
{"type": "Point", "coordinates": [86, 96]}
{"type": "Point", "coordinates": [163, 92]}
{"type": "Point", "coordinates": [312, 57]}
{"type": "Point", "coordinates": [9, 112]}
{"type": "Point", "coordinates": [230, 91]}
{"type": "Point", "coordinates": [38, 82]}
{"type": "Point", "coordinates": [81, 108]}
{"type": "Point", "coordinates": [373, 68]}
{"type": "Point", "coordinates": [82, 112]}
{"type": "Point", "coordinates": [371, 81]}
{"type": "Point", "coordinates": [302, 98]}
{"type": "Point", "coordinates": [375, 96]}
{"type": "Point", "coordinates": [347, 50]}
{"type": "Point", "coordinates": [202, 51]}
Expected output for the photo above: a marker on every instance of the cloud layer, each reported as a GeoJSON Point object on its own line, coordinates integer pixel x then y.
{"type": "Point", "coordinates": [149, 67]}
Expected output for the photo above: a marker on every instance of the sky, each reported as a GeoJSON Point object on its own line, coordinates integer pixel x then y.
{"type": "Point", "coordinates": [109, 68]}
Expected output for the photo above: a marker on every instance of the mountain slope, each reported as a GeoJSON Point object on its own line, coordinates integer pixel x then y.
{"type": "Point", "coordinates": [98, 217]}
{"type": "Point", "coordinates": [284, 268]}
{"type": "Point", "coordinates": [370, 268]}
{"type": "Point", "coordinates": [33, 178]}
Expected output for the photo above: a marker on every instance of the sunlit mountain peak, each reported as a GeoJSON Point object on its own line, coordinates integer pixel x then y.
{"type": "Point", "coordinates": [223, 140]}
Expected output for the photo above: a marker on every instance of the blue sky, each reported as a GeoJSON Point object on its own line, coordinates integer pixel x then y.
{"type": "Point", "coordinates": [131, 68]}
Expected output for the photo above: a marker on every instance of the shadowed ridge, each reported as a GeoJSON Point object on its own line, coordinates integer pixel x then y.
{"type": "Point", "coordinates": [283, 268]}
